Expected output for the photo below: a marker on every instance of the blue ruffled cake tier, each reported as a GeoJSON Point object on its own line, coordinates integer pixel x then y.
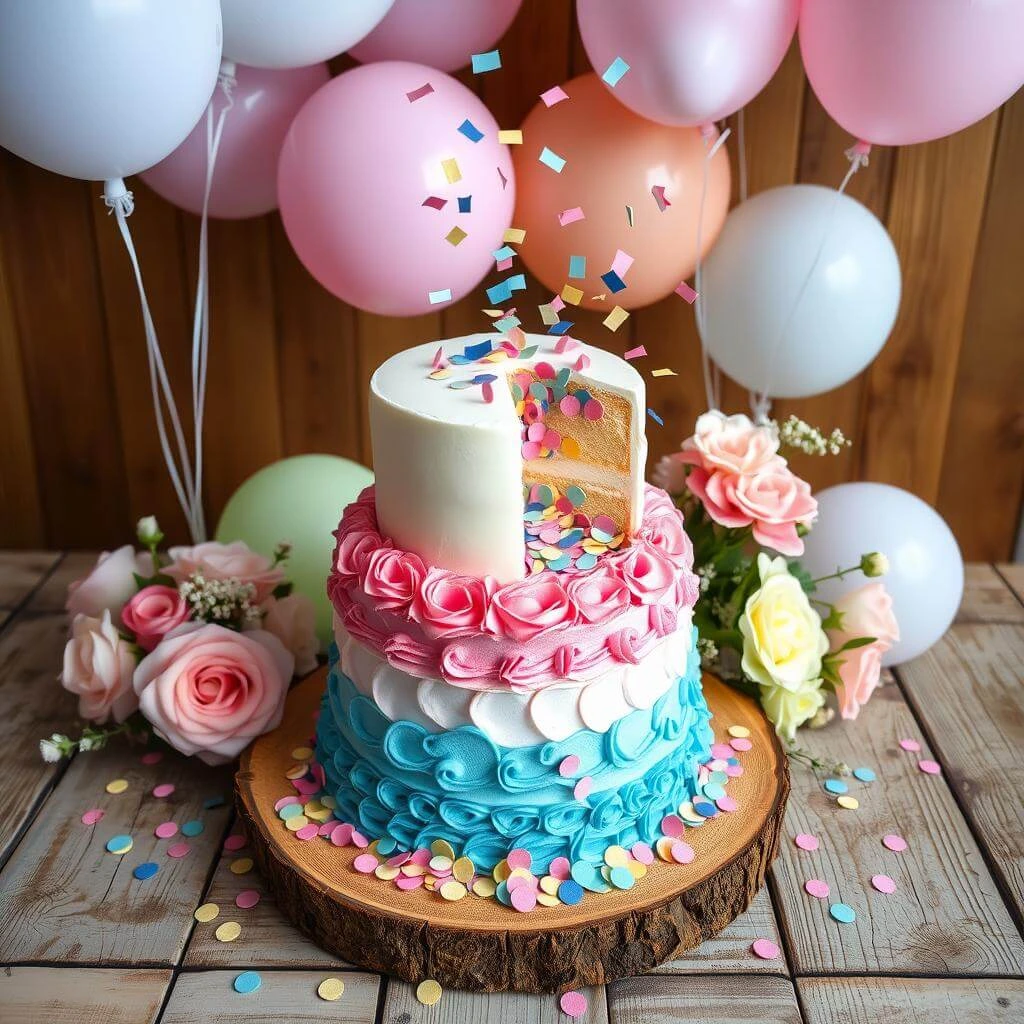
{"type": "Point", "coordinates": [396, 779]}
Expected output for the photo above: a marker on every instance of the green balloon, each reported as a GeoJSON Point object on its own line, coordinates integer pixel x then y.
{"type": "Point", "coordinates": [298, 500]}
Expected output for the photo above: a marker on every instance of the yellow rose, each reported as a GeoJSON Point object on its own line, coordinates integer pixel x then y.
{"type": "Point", "coordinates": [783, 641]}
{"type": "Point", "coordinates": [787, 710]}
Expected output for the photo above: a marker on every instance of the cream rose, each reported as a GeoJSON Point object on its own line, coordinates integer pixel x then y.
{"type": "Point", "coordinates": [292, 620]}
{"type": "Point", "coordinates": [783, 642]}
{"type": "Point", "coordinates": [98, 667]}
{"type": "Point", "coordinates": [788, 709]}
{"type": "Point", "coordinates": [731, 443]}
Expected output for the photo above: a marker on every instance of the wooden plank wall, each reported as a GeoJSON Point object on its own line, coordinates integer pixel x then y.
{"type": "Point", "coordinates": [939, 412]}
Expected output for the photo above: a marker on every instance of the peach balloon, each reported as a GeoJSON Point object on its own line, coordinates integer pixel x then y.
{"type": "Point", "coordinates": [613, 158]}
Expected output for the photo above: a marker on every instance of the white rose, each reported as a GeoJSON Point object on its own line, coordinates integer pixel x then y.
{"type": "Point", "coordinates": [110, 583]}
{"type": "Point", "coordinates": [98, 667]}
{"type": "Point", "coordinates": [292, 620]}
{"type": "Point", "coordinates": [783, 642]}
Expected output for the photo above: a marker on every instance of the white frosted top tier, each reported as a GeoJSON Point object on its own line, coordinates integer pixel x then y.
{"type": "Point", "coordinates": [448, 465]}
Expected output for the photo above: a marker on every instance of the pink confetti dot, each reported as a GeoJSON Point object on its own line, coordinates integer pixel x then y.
{"type": "Point", "coordinates": [164, 789]}
{"type": "Point", "coordinates": [358, 839]}
{"type": "Point", "coordinates": [682, 853]}
{"type": "Point", "coordinates": [806, 842]}
{"type": "Point", "coordinates": [560, 867]}
{"type": "Point", "coordinates": [284, 802]}
{"type": "Point", "coordinates": [570, 406]}
{"type": "Point", "coordinates": [912, 745]}
{"type": "Point", "coordinates": [883, 883]}
{"type": "Point", "coordinates": [593, 410]}
{"type": "Point", "coordinates": [165, 830]}
{"type": "Point", "coordinates": [672, 825]}
{"type": "Point", "coordinates": [642, 853]}
{"type": "Point", "coordinates": [247, 899]}
{"type": "Point", "coordinates": [734, 771]}
{"type": "Point", "coordinates": [341, 835]}
{"type": "Point", "coordinates": [722, 750]}
{"type": "Point", "coordinates": [399, 859]}
{"type": "Point", "coordinates": [326, 829]}
{"type": "Point", "coordinates": [569, 766]}
{"type": "Point", "coordinates": [234, 842]}
{"type": "Point", "coordinates": [765, 949]}
{"type": "Point", "coordinates": [409, 882]}
{"type": "Point", "coordinates": [91, 817]}
{"type": "Point", "coordinates": [421, 856]}
{"type": "Point", "coordinates": [153, 757]}
{"type": "Point", "coordinates": [308, 831]}
{"type": "Point", "coordinates": [518, 881]}
{"type": "Point", "coordinates": [817, 888]}
{"type": "Point", "coordinates": [741, 743]}
{"type": "Point", "coordinates": [365, 863]}
{"type": "Point", "coordinates": [582, 788]}
{"type": "Point", "coordinates": [524, 898]}
{"type": "Point", "coordinates": [726, 803]}
{"type": "Point", "coordinates": [930, 767]}
{"type": "Point", "coordinates": [894, 842]}
{"type": "Point", "coordinates": [179, 850]}
{"type": "Point", "coordinates": [531, 450]}
{"type": "Point", "coordinates": [573, 1004]}
{"type": "Point", "coordinates": [519, 858]}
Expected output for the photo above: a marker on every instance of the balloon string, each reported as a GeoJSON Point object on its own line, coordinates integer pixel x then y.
{"type": "Point", "coordinates": [712, 382]}
{"type": "Point", "coordinates": [741, 145]}
{"type": "Point", "coordinates": [201, 319]}
{"type": "Point", "coordinates": [761, 404]}
{"type": "Point", "coordinates": [120, 202]}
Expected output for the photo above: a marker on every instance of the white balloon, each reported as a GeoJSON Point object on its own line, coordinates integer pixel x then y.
{"type": "Point", "coordinates": [101, 89]}
{"type": "Point", "coordinates": [294, 33]}
{"type": "Point", "coordinates": [926, 570]}
{"type": "Point", "coordinates": [769, 330]}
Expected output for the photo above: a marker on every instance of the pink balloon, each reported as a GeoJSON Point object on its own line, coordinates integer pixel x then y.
{"type": "Point", "coordinates": [897, 72]}
{"type": "Point", "coordinates": [441, 33]}
{"type": "Point", "coordinates": [691, 62]}
{"type": "Point", "coordinates": [360, 160]}
{"type": "Point", "coordinates": [245, 174]}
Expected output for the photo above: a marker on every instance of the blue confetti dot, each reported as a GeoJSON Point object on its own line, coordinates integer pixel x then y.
{"type": "Point", "coordinates": [213, 801]}
{"type": "Point", "coordinates": [836, 786]}
{"type": "Point", "coordinates": [192, 828]}
{"type": "Point", "coordinates": [119, 844]}
{"type": "Point", "coordinates": [247, 981]}
{"type": "Point", "coordinates": [146, 870]}
{"type": "Point", "coordinates": [864, 774]}
{"type": "Point", "coordinates": [387, 846]}
{"type": "Point", "coordinates": [503, 895]}
{"type": "Point", "coordinates": [622, 878]}
{"type": "Point", "coordinates": [570, 892]}
{"type": "Point", "coordinates": [843, 913]}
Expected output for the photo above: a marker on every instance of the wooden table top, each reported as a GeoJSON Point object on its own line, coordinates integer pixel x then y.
{"type": "Point", "coordinates": [83, 941]}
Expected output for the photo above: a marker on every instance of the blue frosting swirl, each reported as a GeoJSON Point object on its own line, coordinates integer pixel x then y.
{"type": "Point", "coordinates": [397, 779]}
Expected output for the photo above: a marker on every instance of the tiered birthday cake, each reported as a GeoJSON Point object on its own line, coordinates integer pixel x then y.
{"type": "Point", "coordinates": [515, 663]}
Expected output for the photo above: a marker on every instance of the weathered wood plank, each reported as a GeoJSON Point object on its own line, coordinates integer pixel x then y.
{"type": "Point", "coordinates": [714, 1000]}
{"type": "Point", "coordinates": [63, 897]}
{"type": "Point", "coordinates": [967, 692]}
{"type": "Point", "coordinates": [987, 597]}
{"type": "Point", "coordinates": [20, 571]}
{"type": "Point", "coordinates": [50, 597]}
{"type": "Point", "coordinates": [946, 918]}
{"type": "Point", "coordinates": [56, 995]}
{"type": "Point", "coordinates": [283, 996]}
{"type": "Point", "coordinates": [1014, 576]}
{"type": "Point", "coordinates": [910, 1000]}
{"type": "Point", "coordinates": [457, 1007]}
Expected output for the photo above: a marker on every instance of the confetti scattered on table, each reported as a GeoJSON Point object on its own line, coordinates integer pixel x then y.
{"type": "Point", "coordinates": [894, 842]}
{"type": "Point", "coordinates": [417, 94]}
{"type": "Point", "coordinates": [614, 72]}
{"type": "Point", "coordinates": [510, 136]}
{"type": "Point", "coordinates": [165, 830]}
{"type": "Point", "coordinates": [571, 216]}
{"type": "Point", "coordinates": [330, 989]}
{"type": "Point", "coordinates": [428, 992]}
{"type": "Point", "coordinates": [765, 949]}
{"type": "Point", "coordinates": [817, 888]}
{"type": "Point", "coordinates": [842, 913]}
{"type": "Point", "coordinates": [686, 292]}
{"type": "Point", "coordinates": [116, 786]}
{"type": "Point", "coordinates": [553, 95]}
{"type": "Point", "coordinates": [551, 159]}
{"type": "Point", "coordinates": [848, 803]}
{"type": "Point", "coordinates": [247, 899]}
{"type": "Point", "coordinates": [207, 912]}
{"type": "Point", "coordinates": [120, 844]}
{"type": "Point", "coordinates": [616, 318]}
{"type": "Point", "coordinates": [455, 236]}
{"type": "Point", "coordinates": [246, 982]}
{"type": "Point", "coordinates": [883, 883]}
{"type": "Point", "coordinates": [234, 842]}
{"type": "Point", "coordinates": [573, 1004]}
{"type": "Point", "coordinates": [240, 866]}
{"type": "Point", "coordinates": [146, 870]}
{"type": "Point", "coordinates": [450, 166]}
{"type": "Point", "coordinates": [91, 817]}
{"type": "Point", "coordinates": [489, 61]}
{"type": "Point", "coordinates": [569, 766]}
{"type": "Point", "coordinates": [471, 131]}
{"type": "Point", "coordinates": [864, 775]}
{"type": "Point", "coordinates": [165, 789]}
{"type": "Point", "coordinates": [228, 931]}
{"type": "Point", "coordinates": [441, 295]}
{"type": "Point", "coordinates": [152, 757]}
{"type": "Point", "coordinates": [192, 828]}
{"type": "Point", "coordinates": [912, 745]}
{"type": "Point", "coordinates": [836, 786]}
{"type": "Point", "coordinates": [930, 767]}
{"type": "Point", "coordinates": [179, 850]}
{"type": "Point", "coordinates": [805, 841]}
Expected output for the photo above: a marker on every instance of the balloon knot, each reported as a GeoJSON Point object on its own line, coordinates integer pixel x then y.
{"type": "Point", "coordinates": [858, 153]}
{"type": "Point", "coordinates": [226, 78]}
{"type": "Point", "coordinates": [117, 198]}
{"type": "Point", "coordinates": [708, 132]}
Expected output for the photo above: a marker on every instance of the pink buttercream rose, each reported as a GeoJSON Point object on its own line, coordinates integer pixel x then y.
{"type": "Point", "coordinates": [670, 473]}
{"type": "Point", "coordinates": [353, 552]}
{"type": "Point", "coordinates": [730, 443]}
{"type": "Point", "coordinates": [866, 611]}
{"type": "Point", "coordinates": [209, 691]}
{"type": "Point", "coordinates": [464, 665]}
{"type": "Point", "coordinates": [450, 605]}
{"type": "Point", "coordinates": [393, 577]}
{"type": "Point", "coordinates": [527, 608]}
{"type": "Point", "coordinates": [647, 572]}
{"type": "Point", "coordinates": [98, 667]}
{"type": "Point", "coordinates": [361, 514]}
{"type": "Point", "coordinates": [234, 561]}
{"type": "Point", "coordinates": [657, 503]}
{"type": "Point", "coordinates": [109, 584]}
{"type": "Point", "coordinates": [600, 595]}
{"type": "Point", "coordinates": [292, 620]}
{"type": "Point", "coordinates": [666, 533]}
{"type": "Point", "coordinates": [153, 612]}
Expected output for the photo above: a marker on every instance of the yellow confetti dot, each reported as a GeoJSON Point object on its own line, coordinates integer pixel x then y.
{"type": "Point", "coordinates": [510, 136]}
{"type": "Point", "coordinates": [117, 786]}
{"type": "Point", "coordinates": [207, 912]}
{"type": "Point", "coordinates": [570, 448]}
{"type": "Point", "coordinates": [738, 732]}
{"type": "Point", "coordinates": [228, 931]}
{"type": "Point", "coordinates": [520, 873]}
{"type": "Point", "coordinates": [637, 869]}
{"type": "Point", "coordinates": [464, 869]}
{"type": "Point", "coordinates": [452, 890]}
{"type": "Point", "coordinates": [428, 992]}
{"type": "Point", "coordinates": [616, 857]}
{"type": "Point", "coordinates": [303, 753]}
{"type": "Point", "coordinates": [296, 771]}
{"type": "Point", "coordinates": [330, 989]}
{"type": "Point", "coordinates": [664, 848]}
{"type": "Point", "coordinates": [241, 865]}
{"type": "Point", "coordinates": [451, 170]}
{"type": "Point", "coordinates": [501, 871]}
{"type": "Point", "coordinates": [442, 848]}
{"type": "Point", "coordinates": [440, 864]}
{"type": "Point", "coordinates": [443, 374]}
{"type": "Point", "coordinates": [851, 803]}
{"type": "Point", "coordinates": [295, 822]}
{"type": "Point", "coordinates": [411, 870]}
{"type": "Point", "coordinates": [546, 899]}
{"type": "Point", "coordinates": [550, 884]}
{"type": "Point", "coordinates": [485, 887]}
{"type": "Point", "coordinates": [329, 802]}
{"type": "Point", "coordinates": [383, 871]}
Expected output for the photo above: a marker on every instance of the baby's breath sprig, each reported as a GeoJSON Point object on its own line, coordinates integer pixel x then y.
{"type": "Point", "coordinates": [799, 434]}
{"type": "Point", "coordinates": [803, 756]}
{"type": "Point", "coordinates": [58, 746]}
{"type": "Point", "coordinates": [224, 602]}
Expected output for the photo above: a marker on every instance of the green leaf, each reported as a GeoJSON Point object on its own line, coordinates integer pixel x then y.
{"type": "Point", "coordinates": [283, 590]}
{"type": "Point", "coordinates": [852, 645]}
{"type": "Point", "coordinates": [161, 579]}
{"type": "Point", "coordinates": [805, 578]}
{"type": "Point", "coordinates": [834, 619]}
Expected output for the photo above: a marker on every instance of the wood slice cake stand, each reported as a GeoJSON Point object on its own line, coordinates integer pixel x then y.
{"type": "Point", "coordinates": [482, 945]}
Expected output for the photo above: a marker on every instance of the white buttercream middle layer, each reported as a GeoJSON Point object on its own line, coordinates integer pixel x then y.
{"type": "Point", "coordinates": [510, 718]}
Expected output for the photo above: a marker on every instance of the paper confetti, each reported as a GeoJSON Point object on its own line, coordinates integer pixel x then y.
{"type": "Point", "coordinates": [551, 159]}
{"type": "Point", "coordinates": [842, 913]}
{"type": "Point", "coordinates": [930, 767]}
{"type": "Point", "coordinates": [504, 253]}
{"type": "Point", "coordinates": [465, 202]}
{"type": "Point", "coordinates": [577, 266]}
{"type": "Point", "coordinates": [573, 1004]}
{"type": "Point", "coordinates": [864, 774]}
{"type": "Point", "coordinates": [450, 166]}
{"type": "Point", "coordinates": [441, 295]}
{"type": "Point", "coordinates": [685, 291]}
{"type": "Point", "coordinates": [635, 353]}
{"type": "Point", "coordinates": [246, 982]}
{"type": "Point", "coordinates": [417, 94]}
{"type": "Point", "coordinates": [911, 745]}
{"type": "Point", "coordinates": [502, 291]}
{"type": "Point", "coordinates": [883, 883]}
{"type": "Point", "coordinates": [614, 72]}
{"type": "Point", "coordinates": [658, 191]}
{"type": "Point", "coordinates": [489, 61]}
{"type": "Point", "coordinates": [613, 281]}
{"type": "Point", "coordinates": [765, 949]}
{"type": "Point", "coordinates": [572, 295]}
{"type": "Point", "coordinates": [817, 888]}
{"type": "Point", "coordinates": [435, 202]}
{"type": "Point", "coordinates": [664, 372]}
{"type": "Point", "coordinates": [548, 314]}
{"type": "Point", "coordinates": [471, 131]}
{"type": "Point", "coordinates": [206, 913]}
{"type": "Point", "coordinates": [615, 318]}
{"type": "Point", "coordinates": [510, 137]}
{"type": "Point", "coordinates": [571, 216]}
{"type": "Point", "coordinates": [93, 816]}
{"type": "Point", "coordinates": [330, 989]}
{"type": "Point", "coordinates": [455, 236]}
{"type": "Point", "coordinates": [428, 992]}
{"type": "Point", "coordinates": [228, 931]}
{"type": "Point", "coordinates": [622, 262]}
{"type": "Point", "coordinates": [805, 841]}
{"type": "Point", "coordinates": [163, 790]}
{"type": "Point", "coordinates": [894, 842]}
{"type": "Point", "coordinates": [146, 870]}
{"type": "Point", "coordinates": [654, 416]}
{"type": "Point", "coordinates": [630, 216]}
{"type": "Point", "coordinates": [515, 235]}
{"type": "Point", "coordinates": [117, 786]}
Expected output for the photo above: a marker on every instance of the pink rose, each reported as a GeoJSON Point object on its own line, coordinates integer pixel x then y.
{"type": "Point", "coordinates": [866, 611]}
{"type": "Point", "coordinates": [234, 561]}
{"type": "Point", "coordinates": [657, 503]}
{"type": "Point", "coordinates": [98, 666]}
{"type": "Point", "coordinates": [353, 552]}
{"type": "Point", "coordinates": [666, 533]}
{"type": "Point", "coordinates": [292, 620]}
{"type": "Point", "coordinates": [670, 473]}
{"type": "Point", "coordinates": [730, 443]}
{"type": "Point", "coordinates": [210, 691]}
{"type": "Point", "coordinates": [776, 499]}
{"type": "Point", "coordinates": [600, 595]}
{"type": "Point", "coordinates": [393, 577]}
{"type": "Point", "coordinates": [451, 605]}
{"type": "Point", "coordinates": [527, 608]}
{"type": "Point", "coordinates": [647, 572]}
{"type": "Point", "coordinates": [152, 612]}
{"type": "Point", "coordinates": [409, 655]}
{"type": "Point", "coordinates": [110, 583]}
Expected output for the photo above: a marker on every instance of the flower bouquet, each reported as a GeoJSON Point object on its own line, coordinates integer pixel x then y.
{"type": "Point", "coordinates": [760, 625]}
{"type": "Point", "coordinates": [197, 646]}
